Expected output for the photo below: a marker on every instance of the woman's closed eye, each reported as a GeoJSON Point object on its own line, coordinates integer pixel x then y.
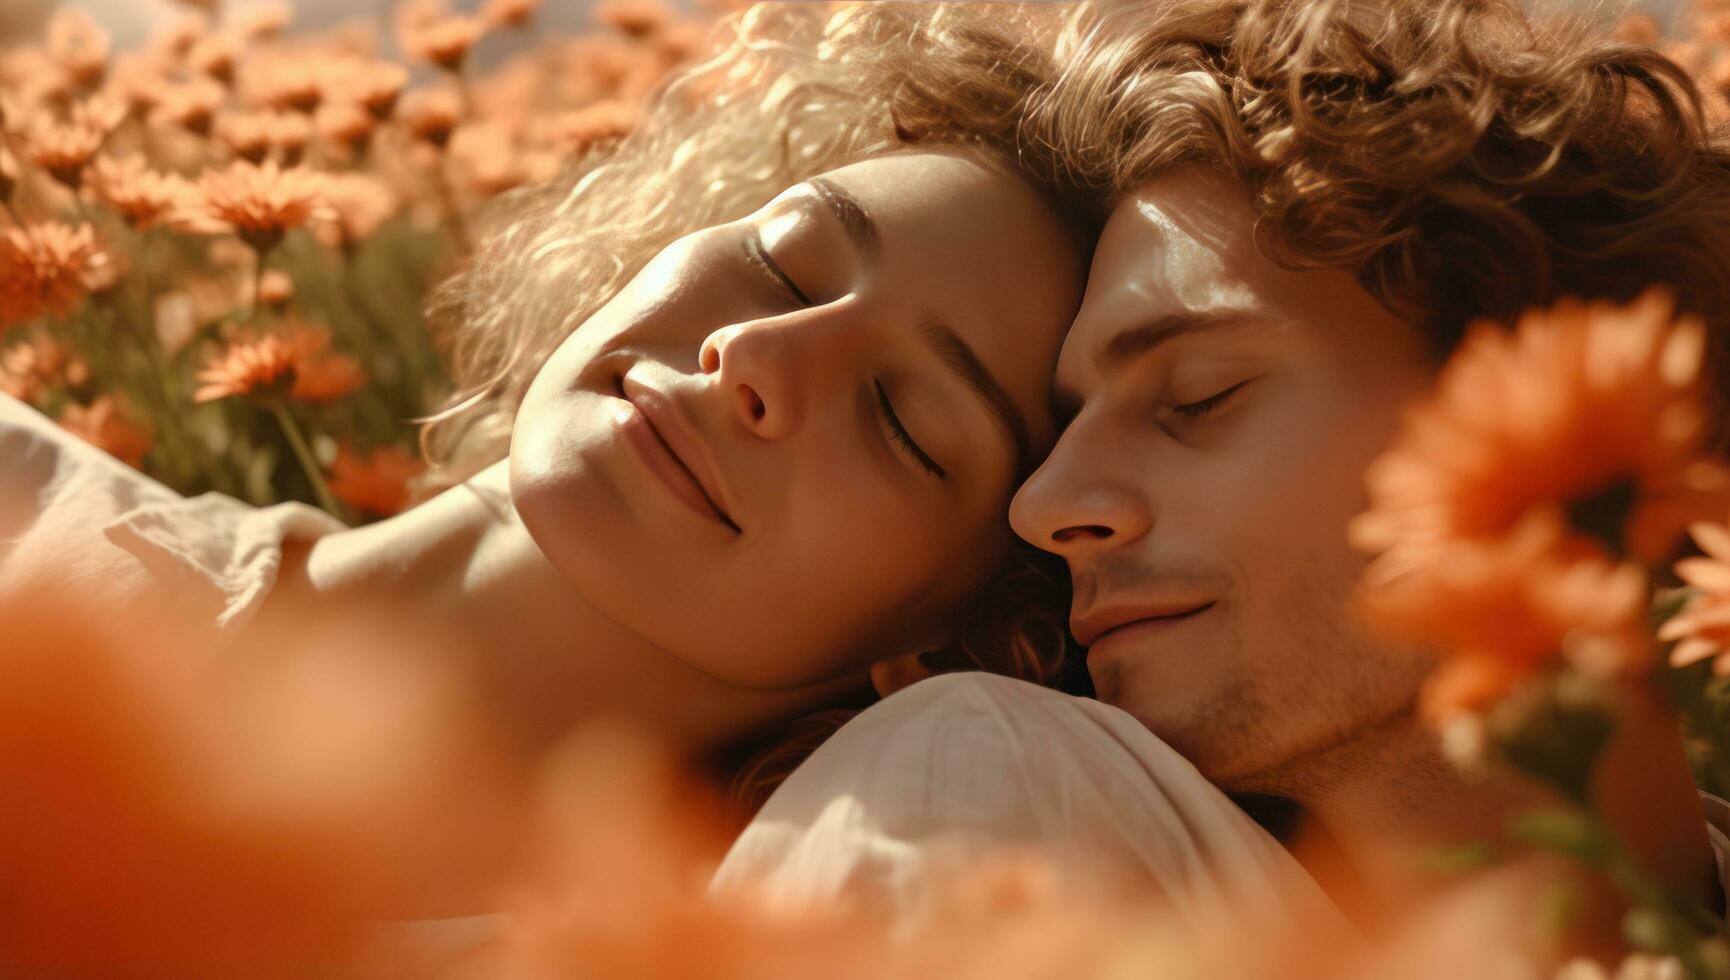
{"type": "Point", "coordinates": [903, 440]}
{"type": "Point", "coordinates": [1191, 411]}
{"type": "Point", "coordinates": [759, 258]}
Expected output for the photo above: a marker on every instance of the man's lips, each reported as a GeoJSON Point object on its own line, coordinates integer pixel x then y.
{"type": "Point", "coordinates": [1096, 624]}
{"type": "Point", "coordinates": [686, 450]}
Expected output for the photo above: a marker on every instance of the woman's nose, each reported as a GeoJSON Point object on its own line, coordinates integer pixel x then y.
{"type": "Point", "coordinates": [759, 371]}
{"type": "Point", "coordinates": [1076, 504]}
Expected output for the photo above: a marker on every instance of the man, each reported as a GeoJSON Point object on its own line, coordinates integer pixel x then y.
{"type": "Point", "coordinates": [1309, 201]}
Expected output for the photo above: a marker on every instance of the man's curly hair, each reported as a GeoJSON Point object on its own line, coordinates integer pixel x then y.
{"type": "Point", "coordinates": [1459, 158]}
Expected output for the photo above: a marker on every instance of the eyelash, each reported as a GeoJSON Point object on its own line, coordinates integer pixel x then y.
{"type": "Point", "coordinates": [1195, 410]}
{"type": "Point", "coordinates": [900, 435]}
{"type": "Point", "coordinates": [758, 256]}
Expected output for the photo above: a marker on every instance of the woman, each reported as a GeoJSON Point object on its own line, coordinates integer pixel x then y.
{"type": "Point", "coordinates": [744, 400]}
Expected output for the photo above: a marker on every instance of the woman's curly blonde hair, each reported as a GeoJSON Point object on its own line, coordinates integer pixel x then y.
{"type": "Point", "coordinates": [1459, 158]}
{"type": "Point", "coordinates": [793, 90]}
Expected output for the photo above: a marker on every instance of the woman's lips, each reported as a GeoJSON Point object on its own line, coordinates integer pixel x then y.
{"type": "Point", "coordinates": [673, 474]}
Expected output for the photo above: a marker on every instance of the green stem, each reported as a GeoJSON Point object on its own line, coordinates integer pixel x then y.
{"type": "Point", "coordinates": [258, 283]}
{"type": "Point", "coordinates": [303, 452]}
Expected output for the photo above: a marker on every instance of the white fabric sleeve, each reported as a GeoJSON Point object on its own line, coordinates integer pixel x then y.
{"type": "Point", "coordinates": [965, 763]}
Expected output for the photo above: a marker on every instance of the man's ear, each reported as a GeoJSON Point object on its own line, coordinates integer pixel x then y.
{"type": "Point", "coordinates": [889, 676]}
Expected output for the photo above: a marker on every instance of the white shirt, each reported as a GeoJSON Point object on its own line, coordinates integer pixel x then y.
{"type": "Point", "coordinates": [966, 763]}
{"type": "Point", "coordinates": [77, 520]}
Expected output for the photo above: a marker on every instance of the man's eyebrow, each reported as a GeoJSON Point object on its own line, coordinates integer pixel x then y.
{"type": "Point", "coordinates": [852, 215]}
{"type": "Point", "coordinates": [1133, 343]}
{"type": "Point", "coordinates": [966, 365]}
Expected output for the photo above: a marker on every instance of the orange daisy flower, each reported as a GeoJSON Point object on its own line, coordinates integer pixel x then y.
{"type": "Point", "coordinates": [510, 13]}
{"type": "Point", "coordinates": [320, 374]}
{"type": "Point", "coordinates": [63, 150]}
{"type": "Point", "coordinates": [445, 42]}
{"type": "Point", "coordinates": [375, 483]}
{"type": "Point", "coordinates": [295, 360]}
{"type": "Point", "coordinates": [106, 424]}
{"type": "Point", "coordinates": [288, 83]}
{"type": "Point", "coordinates": [141, 196]}
{"type": "Point", "coordinates": [250, 365]}
{"type": "Point", "coordinates": [431, 115]}
{"type": "Point", "coordinates": [30, 368]}
{"type": "Point", "coordinates": [1702, 629]}
{"type": "Point", "coordinates": [346, 125]}
{"type": "Point", "coordinates": [214, 56]}
{"type": "Point", "coordinates": [261, 203]}
{"type": "Point", "coordinates": [247, 135]}
{"type": "Point", "coordinates": [190, 106]}
{"type": "Point", "coordinates": [638, 18]}
{"type": "Point", "coordinates": [43, 270]}
{"type": "Point", "coordinates": [79, 46]}
{"type": "Point", "coordinates": [262, 21]}
{"type": "Point", "coordinates": [276, 289]}
{"type": "Point", "coordinates": [1589, 413]}
{"type": "Point", "coordinates": [376, 87]}
{"type": "Point", "coordinates": [1501, 610]}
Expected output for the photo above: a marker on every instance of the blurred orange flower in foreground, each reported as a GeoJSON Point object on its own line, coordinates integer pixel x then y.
{"type": "Point", "coordinates": [106, 424]}
{"type": "Point", "coordinates": [1504, 609]}
{"type": "Point", "coordinates": [43, 270]}
{"type": "Point", "coordinates": [376, 482]}
{"type": "Point", "coordinates": [261, 202]}
{"type": "Point", "coordinates": [1702, 628]}
{"type": "Point", "coordinates": [1502, 511]}
{"type": "Point", "coordinates": [1588, 412]}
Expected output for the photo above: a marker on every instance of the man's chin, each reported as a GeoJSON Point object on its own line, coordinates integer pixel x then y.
{"type": "Point", "coordinates": [1216, 729]}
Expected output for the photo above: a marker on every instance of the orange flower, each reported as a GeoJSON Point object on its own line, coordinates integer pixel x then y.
{"type": "Point", "coordinates": [347, 125]}
{"type": "Point", "coordinates": [78, 46]}
{"type": "Point", "coordinates": [376, 87]}
{"type": "Point", "coordinates": [190, 106]}
{"type": "Point", "coordinates": [489, 161]}
{"type": "Point", "coordinates": [262, 21]}
{"type": "Point", "coordinates": [1500, 610]}
{"type": "Point", "coordinates": [292, 83]}
{"type": "Point", "coordinates": [261, 203]}
{"type": "Point", "coordinates": [1588, 413]}
{"type": "Point", "coordinates": [295, 360]}
{"type": "Point", "coordinates": [320, 374]}
{"type": "Point", "coordinates": [63, 150]}
{"type": "Point", "coordinates": [375, 483]}
{"type": "Point", "coordinates": [28, 369]}
{"type": "Point", "coordinates": [510, 13]}
{"type": "Point", "coordinates": [247, 135]}
{"type": "Point", "coordinates": [214, 56]}
{"type": "Point", "coordinates": [431, 115]}
{"type": "Point", "coordinates": [250, 365]}
{"type": "Point", "coordinates": [638, 18]}
{"type": "Point", "coordinates": [445, 42]}
{"type": "Point", "coordinates": [141, 196]}
{"type": "Point", "coordinates": [107, 425]}
{"type": "Point", "coordinates": [43, 269]}
{"type": "Point", "coordinates": [1702, 628]}
{"type": "Point", "coordinates": [276, 289]}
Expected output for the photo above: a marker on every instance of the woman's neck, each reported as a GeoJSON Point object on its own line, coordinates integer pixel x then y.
{"type": "Point", "coordinates": [544, 660]}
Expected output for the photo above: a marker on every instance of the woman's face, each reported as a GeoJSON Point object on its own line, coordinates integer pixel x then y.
{"type": "Point", "coordinates": [786, 448]}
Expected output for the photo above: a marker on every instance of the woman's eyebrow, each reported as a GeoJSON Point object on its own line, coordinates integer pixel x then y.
{"type": "Point", "coordinates": [962, 362]}
{"type": "Point", "coordinates": [860, 227]}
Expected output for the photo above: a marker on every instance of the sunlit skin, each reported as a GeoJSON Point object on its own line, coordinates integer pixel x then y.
{"type": "Point", "coordinates": [1222, 410]}
{"type": "Point", "coordinates": [780, 358]}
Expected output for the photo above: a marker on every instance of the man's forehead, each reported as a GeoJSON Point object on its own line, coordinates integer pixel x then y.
{"type": "Point", "coordinates": [1179, 246]}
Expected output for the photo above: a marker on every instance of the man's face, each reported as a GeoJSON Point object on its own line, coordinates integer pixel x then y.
{"type": "Point", "coordinates": [1224, 411]}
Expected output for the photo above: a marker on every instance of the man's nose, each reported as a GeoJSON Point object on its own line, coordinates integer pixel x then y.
{"type": "Point", "coordinates": [768, 371]}
{"type": "Point", "coordinates": [1078, 503]}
